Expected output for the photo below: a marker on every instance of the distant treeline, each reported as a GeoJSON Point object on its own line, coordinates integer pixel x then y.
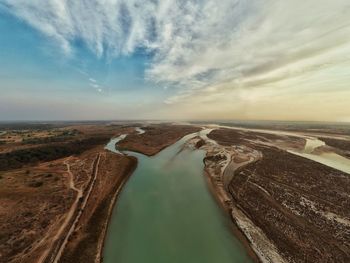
{"type": "Point", "coordinates": [45, 140]}
{"type": "Point", "coordinates": [19, 158]}
{"type": "Point", "coordinates": [45, 125]}
{"type": "Point", "coordinates": [26, 126]}
{"type": "Point", "coordinates": [66, 135]}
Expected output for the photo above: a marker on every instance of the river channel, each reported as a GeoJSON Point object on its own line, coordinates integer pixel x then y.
{"type": "Point", "coordinates": [165, 213]}
{"type": "Point", "coordinates": [330, 159]}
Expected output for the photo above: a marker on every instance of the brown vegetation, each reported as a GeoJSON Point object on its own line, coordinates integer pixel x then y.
{"type": "Point", "coordinates": [39, 199]}
{"type": "Point", "coordinates": [156, 138]}
{"type": "Point", "coordinates": [86, 242]}
{"type": "Point", "coordinates": [31, 204]}
{"type": "Point", "coordinates": [19, 158]}
{"type": "Point", "coordinates": [302, 206]}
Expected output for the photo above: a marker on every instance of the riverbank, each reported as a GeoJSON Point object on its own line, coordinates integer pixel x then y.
{"type": "Point", "coordinates": [99, 257]}
{"type": "Point", "coordinates": [258, 246]}
{"type": "Point", "coordinates": [155, 138]}
{"type": "Point", "coordinates": [50, 180]}
{"type": "Point", "coordinates": [149, 142]}
{"type": "Point", "coordinates": [221, 199]}
{"type": "Point", "coordinates": [86, 243]}
{"type": "Point", "coordinates": [285, 204]}
{"type": "Point", "coordinates": [277, 198]}
{"type": "Point", "coordinates": [169, 195]}
{"type": "Point", "coordinates": [218, 161]}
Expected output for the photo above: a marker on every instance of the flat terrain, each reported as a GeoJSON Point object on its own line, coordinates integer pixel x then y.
{"type": "Point", "coordinates": [56, 194]}
{"type": "Point", "coordinates": [341, 146]}
{"type": "Point", "coordinates": [32, 202]}
{"type": "Point", "coordinates": [86, 240]}
{"type": "Point", "coordinates": [58, 186]}
{"type": "Point", "coordinates": [156, 138]}
{"type": "Point", "coordinates": [285, 204]}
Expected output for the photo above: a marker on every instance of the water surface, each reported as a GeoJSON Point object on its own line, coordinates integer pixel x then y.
{"type": "Point", "coordinates": [330, 159]}
{"type": "Point", "coordinates": [165, 214]}
{"type": "Point", "coordinates": [140, 130]}
{"type": "Point", "coordinates": [111, 145]}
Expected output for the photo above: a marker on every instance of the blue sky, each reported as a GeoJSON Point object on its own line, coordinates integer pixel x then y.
{"type": "Point", "coordinates": [39, 82]}
{"type": "Point", "coordinates": [118, 59]}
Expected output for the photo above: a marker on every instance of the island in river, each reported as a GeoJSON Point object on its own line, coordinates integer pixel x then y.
{"type": "Point", "coordinates": [283, 200]}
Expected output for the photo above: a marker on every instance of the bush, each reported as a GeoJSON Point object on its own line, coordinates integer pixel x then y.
{"type": "Point", "coordinates": [18, 158]}
{"type": "Point", "coordinates": [36, 184]}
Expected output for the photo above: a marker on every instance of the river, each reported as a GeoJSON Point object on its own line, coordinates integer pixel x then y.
{"type": "Point", "coordinates": [139, 130]}
{"type": "Point", "coordinates": [330, 159]}
{"type": "Point", "coordinates": [165, 213]}
{"type": "Point", "coordinates": [111, 144]}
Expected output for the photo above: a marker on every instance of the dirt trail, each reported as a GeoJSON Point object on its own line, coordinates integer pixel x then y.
{"type": "Point", "coordinates": [80, 194]}
{"type": "Point", "coordinates": [56, 252]}
{"type": "Point", "coordinates": [68, 216]}
{"type": "Point", "coordinates": [70, 213]}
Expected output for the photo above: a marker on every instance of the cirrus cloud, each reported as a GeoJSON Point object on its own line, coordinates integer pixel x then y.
{"type": "Point", "coordinates": [206, 48]}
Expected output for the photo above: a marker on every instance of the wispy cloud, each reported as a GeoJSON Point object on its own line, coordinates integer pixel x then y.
{"type": "Point", "coordinates": [206, 48]}
{"type": "Point", "coordinates": [94, 84]}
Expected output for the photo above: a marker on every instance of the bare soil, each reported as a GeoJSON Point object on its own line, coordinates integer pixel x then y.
{"type": "Point", "coordinates": [156, 138]}
{"type": "Point", "coordinates": [36, 200]}
{"type": "Point", "coordinates": [86, 242]}
{"type": "Point", "coordinates": [300, 205]}
{"type": "Point", "coordinates": [32, 203]}
{"type": "Point", "coordinates": [342, 146]}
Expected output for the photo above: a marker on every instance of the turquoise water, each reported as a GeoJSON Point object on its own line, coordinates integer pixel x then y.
{"type": "Point", "coordinates": [165, 214]}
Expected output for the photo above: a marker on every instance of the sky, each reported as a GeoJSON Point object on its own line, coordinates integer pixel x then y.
{"type": "Point", "coordinates": [175, 59]}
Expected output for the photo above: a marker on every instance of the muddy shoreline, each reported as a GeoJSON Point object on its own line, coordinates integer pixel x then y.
{"type": "Point", "coordinates": [155, 138]}
{"type": "Point", "coordinates": [292, 201]}
{"type": "Point", "coordinates": [230, 229]}
{"type": "Point", "coordinates": [111, 208]}
{"type": "Point", "coordinates": [286, 204]}
{"type": "Point", "coordinates": [87, 240]}
{"type": "Point", "coordinates": [136, 144]}
{"type": "Point", "coordinates": [236, 231]}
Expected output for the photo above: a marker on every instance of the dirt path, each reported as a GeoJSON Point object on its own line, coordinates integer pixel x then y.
{"type": "Point", "coordinates": [57, 251]}
{"type": "Point", "coordinates": [70, 213]}
{"type": "Point", "coordinates": [80, 194]}
{"type": "Point", "coordinates": [68, 216]}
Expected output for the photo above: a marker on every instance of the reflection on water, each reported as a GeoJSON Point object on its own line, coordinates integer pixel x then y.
{"type": "Point", "coordinates": [165, 213]}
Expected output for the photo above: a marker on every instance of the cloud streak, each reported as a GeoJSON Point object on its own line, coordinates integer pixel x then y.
{"type": "Point", "coordinates": [206, 48]}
